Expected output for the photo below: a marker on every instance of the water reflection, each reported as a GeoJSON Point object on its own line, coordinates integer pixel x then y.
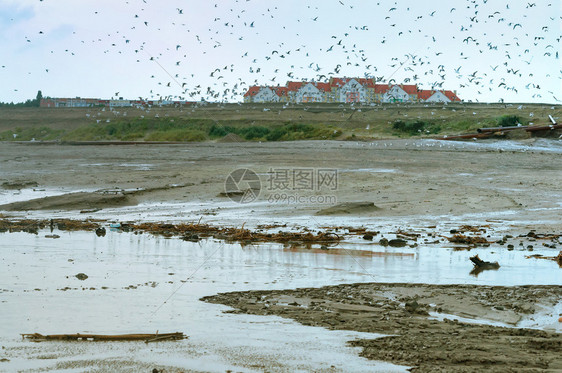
{"type": "Point", "coordinates": [140, 283]}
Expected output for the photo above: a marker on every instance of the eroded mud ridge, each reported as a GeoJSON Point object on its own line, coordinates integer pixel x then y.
{"type": "Point", "coordinates": [409, 315]}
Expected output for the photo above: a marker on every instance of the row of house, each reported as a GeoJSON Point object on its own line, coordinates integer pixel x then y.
{"type": "Point", "coordinates": [348, 90]}
{"type": "Point", "coordinates": [95, 102]}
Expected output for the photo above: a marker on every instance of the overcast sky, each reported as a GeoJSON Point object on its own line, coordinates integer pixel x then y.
{"type": "Point", "coordinates": [486, 50]}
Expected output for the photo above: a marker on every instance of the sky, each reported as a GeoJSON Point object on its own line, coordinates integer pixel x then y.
{"type": "Point", "coordinates": [486, 50]}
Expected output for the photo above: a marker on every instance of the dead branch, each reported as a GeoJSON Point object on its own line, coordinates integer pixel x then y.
{"type": "Point", "coordinates": [36, 337]}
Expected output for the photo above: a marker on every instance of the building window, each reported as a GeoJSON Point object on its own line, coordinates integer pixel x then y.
{"type": "Point", "coordinates": [308, 99]}
{"type": "Point", "coordinates": [352, 97]}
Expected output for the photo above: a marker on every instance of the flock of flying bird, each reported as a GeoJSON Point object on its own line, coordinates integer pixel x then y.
{"type": "Point", "coordinates": [510, 46]}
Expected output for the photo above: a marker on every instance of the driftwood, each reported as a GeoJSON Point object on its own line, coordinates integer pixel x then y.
{"type": "Point", "coordinates": [557, 259]}
{"type": "Point", "coordinates": [483, 133]}
{"type": "Point", "coordinates": [479, 263]}
{"type": "Point", "coordinates": [36, 337]}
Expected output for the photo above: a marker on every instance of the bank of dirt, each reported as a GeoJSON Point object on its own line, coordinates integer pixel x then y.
{"type": "Point", "coordinates": [414, 338]}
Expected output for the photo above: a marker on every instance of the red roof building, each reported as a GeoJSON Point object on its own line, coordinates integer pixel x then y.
{"type": "Point", "coordinates": [452, 96]}
{"type": "Point", "coordinates": [252, 91]}
{"type": "Point", "coordinates": [364, 91]}
{"type": "Point", "coordinates": [424, 94]}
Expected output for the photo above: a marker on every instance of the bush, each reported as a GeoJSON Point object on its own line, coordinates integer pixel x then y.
{"type": "Point", "coordinates": [220, 131]}
{"type": "Point", "coordinates": [416, 127]}
{"type": "Point", "coordinates": [509, 121]}
{"type": "Point", "coordinates": [276, 134]}
{"type": "Point", "coordinates": [254, 132]}
{"type": "Point", "coordinates": [298, 131]}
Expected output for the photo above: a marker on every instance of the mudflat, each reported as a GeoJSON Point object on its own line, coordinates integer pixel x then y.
{"type": "Point", "coordinates": [423, 178]}
{"type": "Point", "coordinates": [422, 322]}
{"type": "Point", "coordinates": [418, 193]}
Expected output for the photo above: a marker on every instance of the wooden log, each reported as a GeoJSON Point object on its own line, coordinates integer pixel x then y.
{"type": "Point", "coordinates": [526, 128]}
{"type": "Point", "coordinates": [483, 264]}
{"type": "Point", "coordinates": [100, 337]}
{"type": "Point", "coordinates": [544, 128]}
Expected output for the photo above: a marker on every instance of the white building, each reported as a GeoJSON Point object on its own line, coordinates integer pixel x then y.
{"type": "Point", "coordinates": [266, 94]}
{"type": "Point", "coordinates": [352, 91]}
{"type": "Point", "coordinates": [309, 92]}
{"type": "Point", "coordinates": [438, 96]}
{"type": "Point", "coordinates": [396, 94]}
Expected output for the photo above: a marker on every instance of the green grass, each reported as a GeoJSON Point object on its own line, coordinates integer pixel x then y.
{"type": "Point", "coordinates": [42, 133]}
{"type": "Point", "coordinates": [178, 134]}
{"type": "Point", "coordinates": [284, 132]}
{"type": "Point", "coordinates": [252, 123]}
{"type": "Point", "coordinates": [297, 131]}
{"type": "Point", "coordinates": [416, 127]}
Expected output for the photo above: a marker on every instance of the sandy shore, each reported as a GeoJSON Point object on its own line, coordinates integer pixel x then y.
{"type": "Point", "coordinates": [510, 191]}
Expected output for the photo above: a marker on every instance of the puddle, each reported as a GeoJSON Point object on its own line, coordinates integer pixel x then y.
{"type": "Point", "coordinates": [10, 196]}
{"type": "Point", "coordinates": [442, 316]}
{"type": "Point", "coordinates": [141, 283]}
{"type": "Point", "coordinates": [544, 318]}
{"type": "Point", "coordinates": [371, 170]}
{"type": "Point", "coordinates": [137, 166]}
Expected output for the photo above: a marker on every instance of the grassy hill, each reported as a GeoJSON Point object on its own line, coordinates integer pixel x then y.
{"type": "Point", "coordinates": [263, 122]}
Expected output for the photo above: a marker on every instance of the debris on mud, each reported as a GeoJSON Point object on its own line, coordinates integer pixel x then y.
{"type": "Point", "coordinates": [468, 240]}
{"type": "Point", "coordinates": [557, 259]}
{"type": "Point", "coordinates": [233, 234]}
{"type": "Point", "coordinates": [33, 226]}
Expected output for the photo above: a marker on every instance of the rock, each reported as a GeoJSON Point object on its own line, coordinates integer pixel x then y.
{"type": "Point", "coordinates": [368, 237]}
{"type": "Point", "coordinates": [397, 242]}
{"type": "Point", "coordinates": [415, 307]}
{"type": "Point", "coordinates": [81, 276]}
{"type": "Point", "coordinates": [100, 232]}
{"type": "Point", "coordinates": [383, 242]}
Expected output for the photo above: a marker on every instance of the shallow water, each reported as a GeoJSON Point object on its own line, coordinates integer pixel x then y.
{"type": "Point", "coordinates": [153, 283]}
{"type": "Point", "coordinates": [26, 194]}
{"type": "Point", "coordinates": [144, 293]}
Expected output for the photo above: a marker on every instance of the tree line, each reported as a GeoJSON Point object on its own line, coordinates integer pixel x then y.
{"type": "Point", "coordinates": [28, 103]}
